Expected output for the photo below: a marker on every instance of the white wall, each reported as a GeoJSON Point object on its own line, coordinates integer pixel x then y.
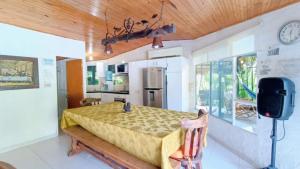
{"type": "Point", "coordinates": [30, 115]}
{"type": "Point", "coordinates": [289, 148]}
{"type": "Point", "coordinates": [255, 147]}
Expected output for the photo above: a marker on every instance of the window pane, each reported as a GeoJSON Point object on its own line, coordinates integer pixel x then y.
{"type": "Point", "coordinates": [215, 89]}
{"type": "Point", "coordinates": [246, 74]}
{"type": "Point", "coordinates": [91, 75]}
{"type": "Point", "coordinates": [226, 89]}
{"type": "Point", "coordinates": [246, 113]}
{"type": "Point", "coordinates": [221, 89]}
{"type": "Point", "coordinates": [202, 86]}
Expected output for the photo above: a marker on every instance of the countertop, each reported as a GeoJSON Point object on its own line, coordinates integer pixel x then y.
{"type": "Point", "coordinates": [108, 91]}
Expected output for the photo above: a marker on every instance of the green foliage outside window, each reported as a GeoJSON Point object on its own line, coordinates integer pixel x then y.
{"type": "Point", "coordinates": [246, 72]}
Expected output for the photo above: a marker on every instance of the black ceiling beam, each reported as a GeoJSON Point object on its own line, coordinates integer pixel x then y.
{"type": "Point", "coordinates": [137, 35]}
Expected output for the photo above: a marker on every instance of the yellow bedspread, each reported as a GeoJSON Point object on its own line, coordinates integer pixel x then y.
{"type": "Point", "coordinates": [151, 134]}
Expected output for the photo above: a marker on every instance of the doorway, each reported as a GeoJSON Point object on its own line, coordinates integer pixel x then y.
{"type": "Point", "coordinates": [69, 83]}
{"type": "Point", "coordinates": [74, 82]}
{"type": "Point", "coordinates": [62, 95]}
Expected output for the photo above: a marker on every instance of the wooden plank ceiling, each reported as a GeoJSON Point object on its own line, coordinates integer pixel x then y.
{"type": "Point", "coordinates": [84, 19]}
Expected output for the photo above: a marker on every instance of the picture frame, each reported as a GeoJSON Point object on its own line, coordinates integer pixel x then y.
{"type": "Point", "coordinates": [18, 72]}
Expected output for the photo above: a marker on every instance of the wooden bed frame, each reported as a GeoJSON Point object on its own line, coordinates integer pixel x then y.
{"type": "Point", "coordinates": [83, 140]}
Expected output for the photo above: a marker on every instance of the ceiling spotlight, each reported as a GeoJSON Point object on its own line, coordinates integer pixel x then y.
{"type": "Point", "coordinates": [108, 49]}
{"type": "Point", "coordinates": [157, 42]}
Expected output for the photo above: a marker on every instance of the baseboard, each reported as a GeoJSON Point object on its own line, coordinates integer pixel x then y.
{"type": "Point", "coordinates": [234, 151]}
{"type": "Point", "coordinates": [27, 143]}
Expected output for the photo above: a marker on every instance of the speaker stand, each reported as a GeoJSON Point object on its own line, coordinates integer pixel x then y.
{"type": "Point", "coordinates": [274, 141]}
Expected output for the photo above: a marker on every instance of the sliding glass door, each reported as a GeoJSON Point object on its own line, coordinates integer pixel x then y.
{"type": "Point", "coordinates": [221, 89]}
{"type": "Point", "coordinates": [214, 84]}
{"type": "Point", "coordinates": [203, 86]}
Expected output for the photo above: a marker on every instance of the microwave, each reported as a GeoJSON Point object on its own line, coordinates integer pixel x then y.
{"type": "Point", "coordinates": [122, 68]}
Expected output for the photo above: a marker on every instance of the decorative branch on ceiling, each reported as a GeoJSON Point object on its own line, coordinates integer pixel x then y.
{"type": "Point", "coordinates": [147, 29]}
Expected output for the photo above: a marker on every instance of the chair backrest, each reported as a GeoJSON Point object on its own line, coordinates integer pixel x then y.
{"type": "Point", "coordinates": [195, 135]}
{"type": "Point", "coordinates": [90, 101]}
{"type": "Point", "coordinates": [4, 165]}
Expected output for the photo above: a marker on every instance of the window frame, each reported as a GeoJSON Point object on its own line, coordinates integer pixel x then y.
{"type": "Point", "coordinates": [195, 88]}
{"type": "Point", "coordinates": [234, 89]}
{"type": "Point", "coordinates": [210, 85]}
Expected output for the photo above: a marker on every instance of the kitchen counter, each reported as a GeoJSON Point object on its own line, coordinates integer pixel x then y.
{"type": "Point", "coordinates": [106, 91]}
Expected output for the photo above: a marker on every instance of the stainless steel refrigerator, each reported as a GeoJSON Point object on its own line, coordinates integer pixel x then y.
{"type": "Point", "coordinates": [155, 87]}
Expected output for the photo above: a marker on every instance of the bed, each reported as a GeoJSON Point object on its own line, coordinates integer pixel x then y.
{"type": "Point", "coordinates": [150, 134]}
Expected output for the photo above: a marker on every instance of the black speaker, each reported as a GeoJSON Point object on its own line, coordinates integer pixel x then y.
{"type": "Point", "coordinates": [275, 98]}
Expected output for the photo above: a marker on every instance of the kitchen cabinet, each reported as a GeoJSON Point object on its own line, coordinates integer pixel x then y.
{"type": "Point", "coordinates": [174, 91]}
{"type": "Point", "coordinates": [174, 64]}
{"type": "Point", "coordinates": [110, 97]}
{"type": "Point", "coordinates": [178, 83]}
{"type": "Point", "coordinates": [157, 63]}
{"type": "Point", "coordinates": [136, 81]}
{"type": "Point", "coordinates": [100, 69]}
{"type": "Point", "coordinates": [107, 97]}
{"type": "Point", "coordinates": [93, 95]}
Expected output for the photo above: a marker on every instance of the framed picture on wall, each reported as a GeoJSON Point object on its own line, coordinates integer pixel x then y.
{"type": "Point", "coordinates": [18, 72]}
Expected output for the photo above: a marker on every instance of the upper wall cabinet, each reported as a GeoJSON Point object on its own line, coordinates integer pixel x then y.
{"type": "Point", "coordinates": [174, 64]}
{"type": "Point", "coordinates": [157, 62]}
{"type": "Point", "coordinates": [100, 69]}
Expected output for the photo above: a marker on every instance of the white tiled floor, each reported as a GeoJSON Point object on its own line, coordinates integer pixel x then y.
{"type": "Point", "coordinates": [52, 154]}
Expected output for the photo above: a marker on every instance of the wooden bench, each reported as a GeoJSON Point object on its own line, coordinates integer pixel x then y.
{"type": "Point", "coordinates": [82, 140]}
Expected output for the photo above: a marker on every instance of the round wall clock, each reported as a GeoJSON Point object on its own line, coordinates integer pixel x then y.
{"type": "Point", "coordinates": [289, 33]}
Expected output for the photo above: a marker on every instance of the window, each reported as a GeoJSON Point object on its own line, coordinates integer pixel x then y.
{"type": "Point", "coordinates": [226, 79]}
{"type": "Point", "coordinates": [246, 114]}
{"type": "Point", "coordinates": [215, 87]}
{"type": "Point", "coordinates": [91, 75]}
{"type": "Point", "coordinates": [203, 86]}
{"type": "Point", "coordinates": [221, 89]}
{"type": "Point", "coordinates": [214, 84]}
{"type": "Point", "coordinates": [246, 74]}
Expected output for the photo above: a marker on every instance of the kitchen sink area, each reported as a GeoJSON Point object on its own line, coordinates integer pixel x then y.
{"type": "Point", "coordinates": [108, 82]}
